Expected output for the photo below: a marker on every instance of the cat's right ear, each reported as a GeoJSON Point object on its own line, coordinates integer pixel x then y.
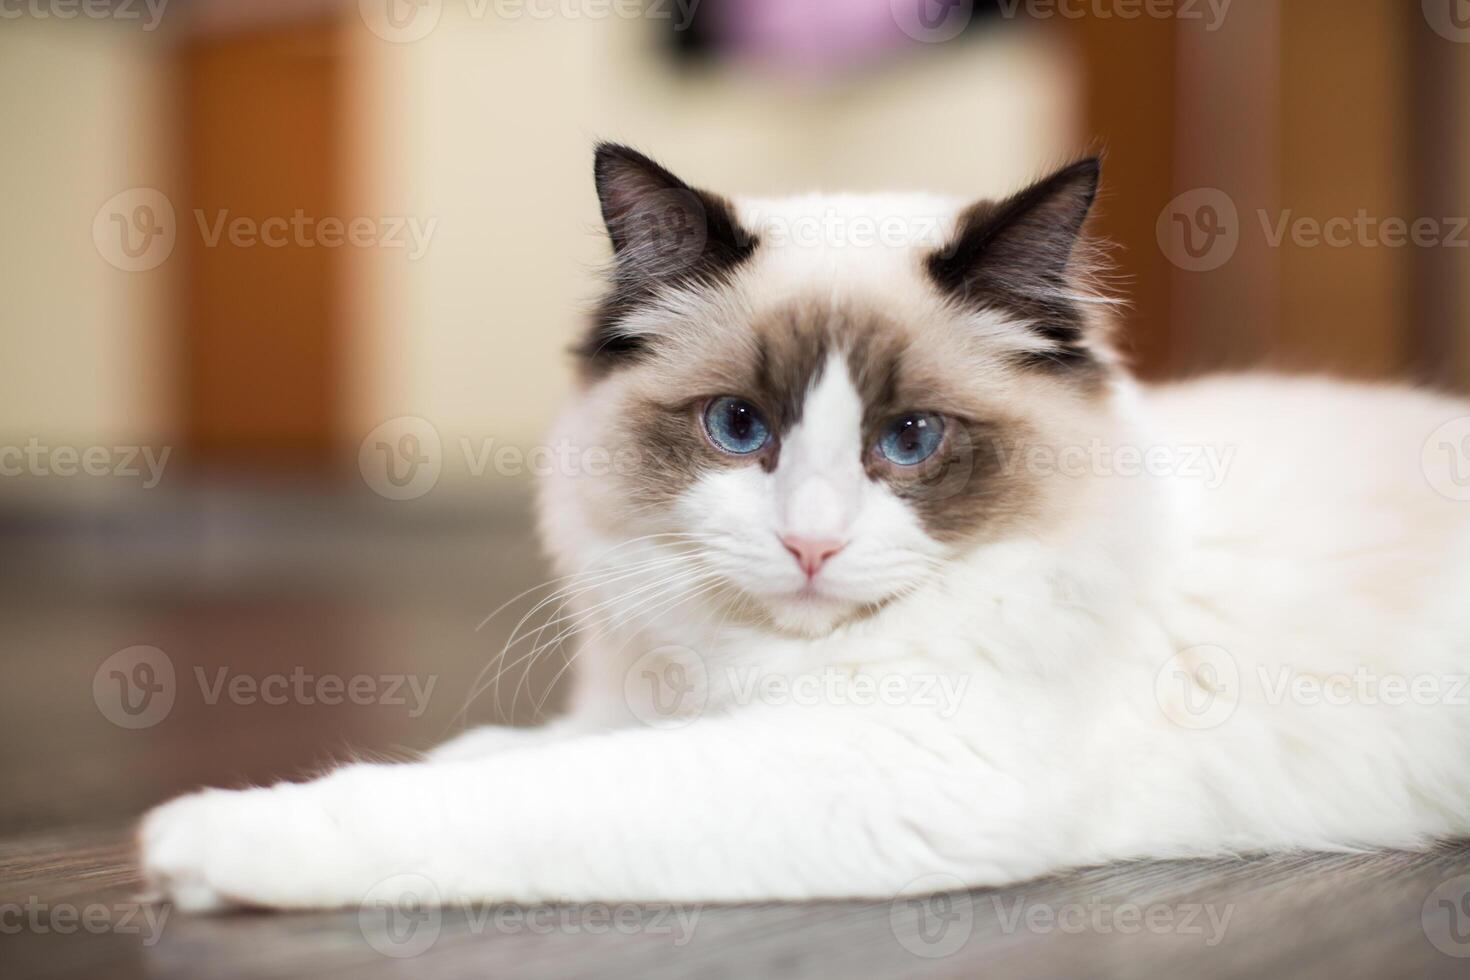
{"type": "Point", "coordinates": [661, 229]}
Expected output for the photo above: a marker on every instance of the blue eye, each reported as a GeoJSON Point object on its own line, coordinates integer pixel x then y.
{"type": "Point", "coordinates": [911, 439]}
{"type": "Point", "coordinates": [735, 425]}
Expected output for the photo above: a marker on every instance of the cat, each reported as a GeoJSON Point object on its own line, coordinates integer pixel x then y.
{"type": "Point", "coordinates": [897, 580]}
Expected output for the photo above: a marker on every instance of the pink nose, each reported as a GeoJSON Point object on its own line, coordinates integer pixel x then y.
{"type": "Point", "coordinates": [811, 553]}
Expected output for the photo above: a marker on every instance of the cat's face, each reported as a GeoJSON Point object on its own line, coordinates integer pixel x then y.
{"type": "Point", "coordinates": [823, 424]}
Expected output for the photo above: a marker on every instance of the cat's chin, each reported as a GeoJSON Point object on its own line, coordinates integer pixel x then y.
{"type": "Point", "coordinates": [807, 615]}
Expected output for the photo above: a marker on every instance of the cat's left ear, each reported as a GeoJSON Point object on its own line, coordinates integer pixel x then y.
{"type": "Point", "coordinates": [1018, 254]}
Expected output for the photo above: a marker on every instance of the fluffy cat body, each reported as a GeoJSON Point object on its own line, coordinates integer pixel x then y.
{"type": "Point", "coordinates": [1101, 621]}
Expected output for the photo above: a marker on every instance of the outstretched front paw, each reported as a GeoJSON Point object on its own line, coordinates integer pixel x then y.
{"type": "Point", "coordinates": [274, 848]}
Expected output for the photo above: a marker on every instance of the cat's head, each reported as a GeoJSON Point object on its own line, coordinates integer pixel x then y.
{"type": "Point", "coordinates": [825, 399]}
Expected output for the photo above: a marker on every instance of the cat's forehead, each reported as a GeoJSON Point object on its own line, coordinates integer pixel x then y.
{"type": "Point", "coordinates": [840, 274]}
{"type": "Point", "coordinates": [846, 243]}
{"type": "Point", "coordinates": [838, 219]}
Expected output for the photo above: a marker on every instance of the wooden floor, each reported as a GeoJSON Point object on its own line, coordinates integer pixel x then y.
{"type": "Point", "coordinates": [331, 591]}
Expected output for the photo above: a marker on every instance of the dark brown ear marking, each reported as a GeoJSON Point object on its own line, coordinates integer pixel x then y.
{"type": "Point", "coordinates": [1016, 255]}
{"type": "Point", "coordinates": [663, 233]}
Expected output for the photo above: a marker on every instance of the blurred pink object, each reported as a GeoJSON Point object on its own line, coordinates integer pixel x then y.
{"type": "Point", "coordinates": [811, 36]}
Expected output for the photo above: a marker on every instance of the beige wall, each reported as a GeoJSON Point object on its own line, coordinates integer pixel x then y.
{"type": "Point", "coordinates": [84, 346]}
{"type": "Point", "coordinates": [488, 127]}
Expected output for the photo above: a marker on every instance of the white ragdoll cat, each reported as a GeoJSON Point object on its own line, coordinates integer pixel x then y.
{"type": "Point", "coordinates": [897, 578]}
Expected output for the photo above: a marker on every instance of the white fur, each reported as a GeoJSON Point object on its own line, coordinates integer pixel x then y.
{"type": "Point", "coordinates": [1069, 652]}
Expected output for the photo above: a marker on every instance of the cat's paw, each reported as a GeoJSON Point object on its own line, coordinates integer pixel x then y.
{"type": "Point", "coordinates": [272, 848]}
{"type": "Point", "coordinates": [173, 849]}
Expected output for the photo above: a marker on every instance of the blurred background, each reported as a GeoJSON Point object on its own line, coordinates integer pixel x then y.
{"type": "Point", "coordinates": [280, 280]}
